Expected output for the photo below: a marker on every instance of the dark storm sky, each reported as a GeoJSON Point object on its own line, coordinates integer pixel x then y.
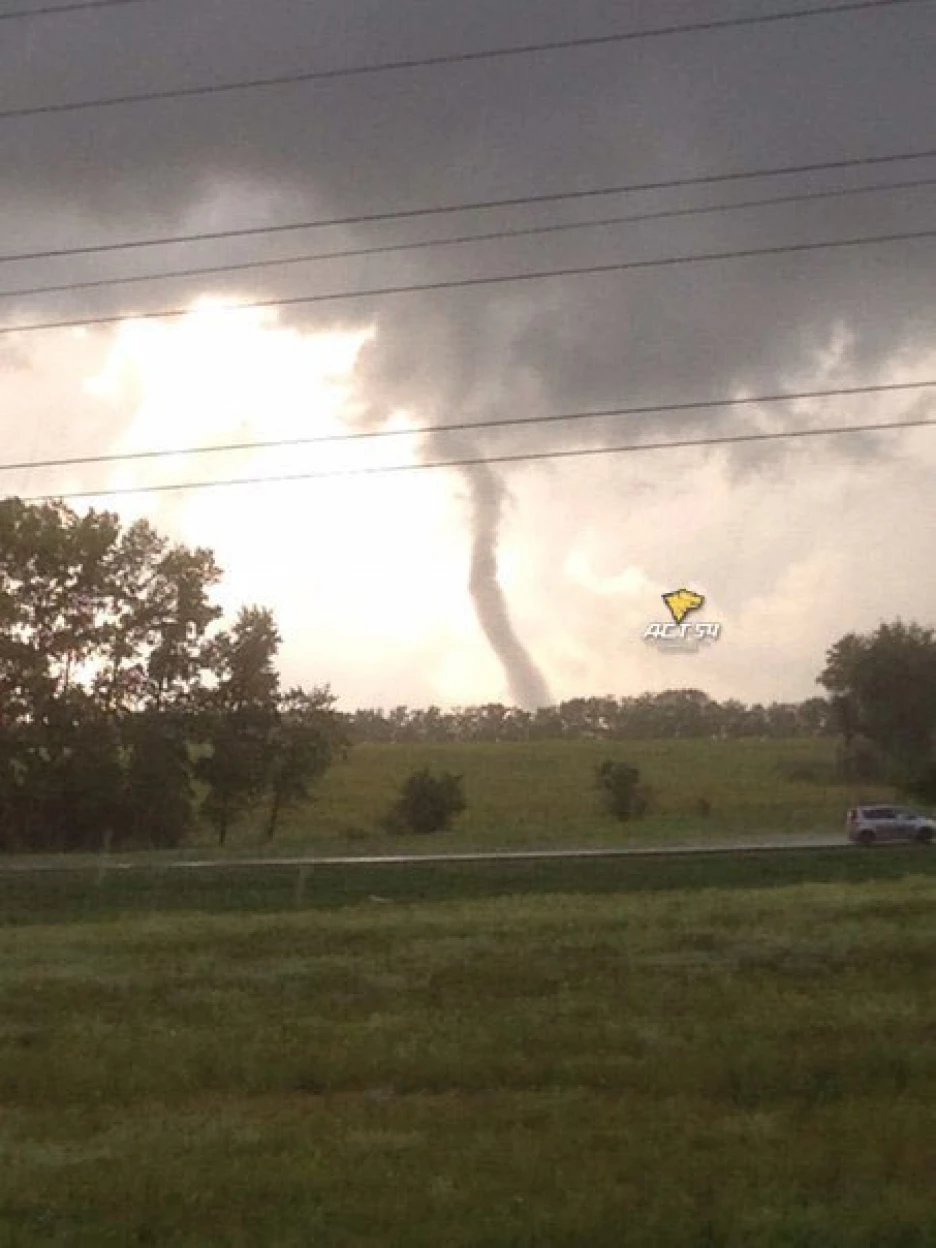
{"type": "Point", "coordinates": [816, 89]}
{"type": "Point", "coordinates": [824, 88]}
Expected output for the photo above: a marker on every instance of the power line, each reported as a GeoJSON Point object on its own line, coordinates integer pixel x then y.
{"type": "Point", "coordinates": [477, 461]}
{"type": "Point", "coordinates": [50, 9]}
{"type": "Point", "coordinates": [489, 236]}
{"type": "Point", "coordinates": [474, 425]}
{"type": "Point", "coordinates": [453, 58]}
{"type": "Point", "coordinates": [479, 205]}
{"type": "Point", "coordinates": [465, 283]}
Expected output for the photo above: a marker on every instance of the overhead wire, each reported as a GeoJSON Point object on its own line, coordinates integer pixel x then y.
{"type": "Point", "coordinates": [472, 426]}
{"type": "Point", "coordinates": [481, 205]}
{"type": "Point", "coordinates": [49, 10]}
{"type": "Point", "coordinates": [459, 240]}
{"type": "Point", "coordinates": [466, 283]}
{"type": "Point", "coordinates": [485, 460]}
{"type": "Point", "coordinates": [696, 27]}
{"type": "Point", "coordinates": [455, 58]}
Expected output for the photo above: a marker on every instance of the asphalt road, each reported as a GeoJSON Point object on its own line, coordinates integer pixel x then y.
{"type": "Point", "coordinates": [514, 855]}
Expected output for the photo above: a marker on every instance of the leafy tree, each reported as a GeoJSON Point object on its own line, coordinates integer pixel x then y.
{"type": "Point", "coordinates": [157, 791]}
{"type": "Point", "coordinates": [672, 713]}
{"type": "Point", "coordinates": [50, 579]}
{"type": "Point", "coordinates": [117, 613]}
{"type": "Point", "coordinates": [69, 778]}
{"type": "Point", "coordinates": [883, 687]}
{"type": "Point", "coordinates": [921, 784]}
{"type": "Point", "coordinates": [110, 661]}
{"type": "Point", "coordinates": [621, 791]}
{"type": "Point", "coordinates": [240, 717]}
{"type": "Point", "coordinates": [814, 716]}
{"type": "Point", "coordinates": [858, 759]}
{"type": "Point", "coordinates": [426, 803]}
{"type": "Point", "coordinates": [307, 737]}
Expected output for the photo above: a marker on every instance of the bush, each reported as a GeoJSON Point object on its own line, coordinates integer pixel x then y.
{"type": "Point", "coordinates": [921, 784]}
{"type": "Point", "coordinates": [622, 794]}
{"type": "Point", "coordinates": [860, 759]}
{"type": "Point", "coordinates": [426, 803]}
{"type": "Point", "coordinates": [808, 772]}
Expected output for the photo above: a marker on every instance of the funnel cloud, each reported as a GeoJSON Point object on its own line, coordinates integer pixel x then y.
{"type": "Point", "coordinates": [526, 683]}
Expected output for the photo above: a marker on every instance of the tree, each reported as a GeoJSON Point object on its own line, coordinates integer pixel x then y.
{"type": "Point", "coordinates": [118, 613]}
{"type": "Point", "coordinates": [69, 778]}
{"type": "Point", "coordinates": [157, 789]}
{"type": "Point", "coordinates": [111, 667]}
{"type": "Point", "coordinates": [883, 688]}
{"type": "Point", "coordinates": [306, 739]}
{"type": "Point", "coordinates": [240, 716]}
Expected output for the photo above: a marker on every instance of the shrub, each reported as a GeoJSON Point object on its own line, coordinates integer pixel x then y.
{"type": "Point", "coordinates": [921, 784]}
{"type": "Point", "coordinates": [860, 759]}
{"type": "Point", "coordinates": [802, 772]}
{"type": "Point", "coordinates": [622, 794]}
{"type": "Point", "coordinates": [426, 803]}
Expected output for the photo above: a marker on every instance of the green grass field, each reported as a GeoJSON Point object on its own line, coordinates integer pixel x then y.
{"type": "Point", "coordinates": [542, 794]}
{"type": "Point", "coordinates": [720, 1051]}
{"type": "Point", "coordinates": [729, 1052]}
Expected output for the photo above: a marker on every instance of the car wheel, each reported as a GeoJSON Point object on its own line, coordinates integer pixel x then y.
{"type": "Point", "coordinates": [866, 836]}
{"type": "Point", "coordinates": [924, 836]}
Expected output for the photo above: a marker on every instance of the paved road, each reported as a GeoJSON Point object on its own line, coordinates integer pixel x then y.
{"type": "Point", "coordinates": [513, 855]}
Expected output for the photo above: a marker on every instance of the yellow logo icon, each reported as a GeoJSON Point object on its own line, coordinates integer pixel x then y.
{"type": "Point", "coordinates": [680, 602]}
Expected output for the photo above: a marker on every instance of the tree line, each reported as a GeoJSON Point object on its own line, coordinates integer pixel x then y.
{"type": "Point", "coordinates": [673, 713]}
{"type": "Point", "coordinates": [122, 696]}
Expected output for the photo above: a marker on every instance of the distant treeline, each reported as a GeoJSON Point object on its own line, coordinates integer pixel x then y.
{"type": "Point", "coordinates": [674, 713]}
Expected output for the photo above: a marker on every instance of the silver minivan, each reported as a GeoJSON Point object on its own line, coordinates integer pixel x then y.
{"type": "Point", "coordinates": [867, 824]}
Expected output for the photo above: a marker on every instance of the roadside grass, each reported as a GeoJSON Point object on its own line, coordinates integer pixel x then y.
{"type": "Point", "coordinates": [700, 1065]}
{"type": "Point", "coordinates": [88, 894]}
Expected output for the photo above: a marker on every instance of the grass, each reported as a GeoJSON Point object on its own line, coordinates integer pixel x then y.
{"type": "Point", "coordinates": [732, 1052]}
{"type": "Point", "coordinates": [541, 794]}
{"type": "Point", "coordinates": [692, 1051]}
{"type": "Point", "coordinates": [89, 894]}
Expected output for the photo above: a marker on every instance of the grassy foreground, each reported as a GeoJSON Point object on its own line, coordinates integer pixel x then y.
{"type": "Point", "coordinates": [690, 1061]}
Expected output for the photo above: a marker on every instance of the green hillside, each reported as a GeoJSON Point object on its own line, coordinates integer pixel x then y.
{"type": "Point", "coordinates": [527, 794]}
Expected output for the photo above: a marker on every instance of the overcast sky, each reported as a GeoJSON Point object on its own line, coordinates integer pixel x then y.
{"type": "Point", "coordinates": [386, 585]}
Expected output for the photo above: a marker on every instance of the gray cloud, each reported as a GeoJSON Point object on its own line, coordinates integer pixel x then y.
{"type": "Point", "coordinates": [806, 91]}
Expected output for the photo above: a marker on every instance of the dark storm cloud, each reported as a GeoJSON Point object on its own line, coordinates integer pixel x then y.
{"type": "Point", "coordinates": [796, 92]}
{"type": "Point", "coordinates": [816, 89]}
